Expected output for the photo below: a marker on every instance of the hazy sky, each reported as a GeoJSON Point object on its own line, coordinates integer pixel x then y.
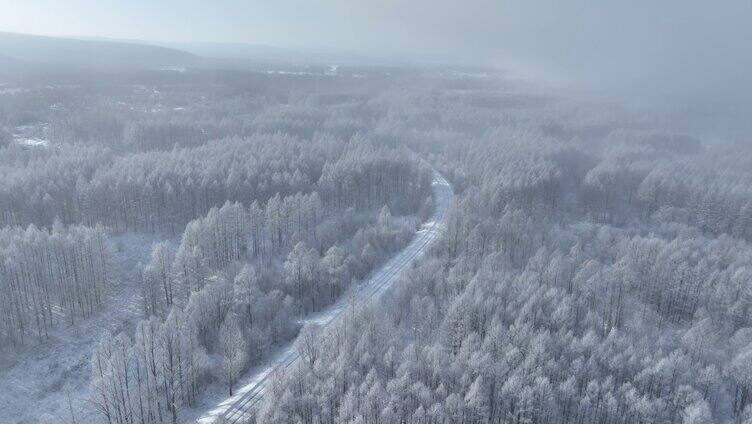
{"type": "Point", "coordinates": [655, 48]}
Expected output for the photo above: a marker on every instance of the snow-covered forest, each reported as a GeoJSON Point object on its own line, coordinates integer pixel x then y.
{"type": "Point", "coordinates": [164, 233]}
{"type": "Point", "coordinates": [264, 200]}
{"type": "Point", "coordinates": [596, 269]}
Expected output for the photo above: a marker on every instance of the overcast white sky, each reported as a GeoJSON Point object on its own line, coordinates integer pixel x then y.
{"type": "Point", "coordinates": [655, 48]}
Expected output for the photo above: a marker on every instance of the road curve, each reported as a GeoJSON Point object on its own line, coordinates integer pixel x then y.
{"type": "Point", "coordinates": [238, 408]}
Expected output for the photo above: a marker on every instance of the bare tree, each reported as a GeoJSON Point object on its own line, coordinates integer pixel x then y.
{"type": "Point", "coordinates": [233, 350]}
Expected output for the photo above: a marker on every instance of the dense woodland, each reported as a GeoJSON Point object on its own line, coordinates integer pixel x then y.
{"type": "Point", "coordinates": [595, 267]}
{"type": "Point", "coordinates": [47, 276]}
{"type": "Point", "coordinates": [270, 206]}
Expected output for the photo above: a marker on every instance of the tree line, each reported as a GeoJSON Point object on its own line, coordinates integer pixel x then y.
{"type": "Point", "coordinates": [49, 276]}
{"type": "Point", "coordinates": [163, 191]}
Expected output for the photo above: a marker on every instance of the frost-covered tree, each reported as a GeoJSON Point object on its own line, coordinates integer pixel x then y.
{"type": "Point", "coordinates": [47, 276]}
{"type": "Point", "coordinates": [158, 287]}
{"type": "Point", "coordinates": [232, 347]}
{"type": "Point", "coordinates": [301, 274]}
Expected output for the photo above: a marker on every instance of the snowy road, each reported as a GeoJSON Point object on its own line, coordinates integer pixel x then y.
{"type": "Point", "coordinates": [238, 408]}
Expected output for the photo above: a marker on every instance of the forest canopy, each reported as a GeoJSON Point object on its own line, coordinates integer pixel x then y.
{"type": "Point", "coordinates": [594, 266]}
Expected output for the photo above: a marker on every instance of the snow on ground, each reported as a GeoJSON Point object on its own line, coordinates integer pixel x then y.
{"type": "Point", "coordinates": [12, 90]}
{"type": "Point", "coordinates": [31, 135]}
{"type": "Point", "coordinates": [179, 69]}
{"type": "Point", "coordinates": [298, 73]}
{"type": "Point", "coordinates": [33, 142]}
{"type": "Point", "coordinates": [34, 381]}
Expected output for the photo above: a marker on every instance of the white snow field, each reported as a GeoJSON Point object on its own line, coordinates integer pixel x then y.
{"type": "Point", "coordinates": [239, 407]}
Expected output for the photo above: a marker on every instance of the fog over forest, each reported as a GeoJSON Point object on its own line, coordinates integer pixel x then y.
{"type": "Point", "coordinates": [375, 212]}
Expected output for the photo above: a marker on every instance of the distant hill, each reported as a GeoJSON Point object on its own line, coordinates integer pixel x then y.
{"type": "Point", "coordinates": [89, 54]}
{"type": "Point", "coordinates": [239, 51]}
{"type": "Point", "coordinates": [9, 61]}
{"type": "Point", "coordinates": [223, 51]}
{"type": "Point", "coordinates": [9, 65]}
{"type": "Point", "coordinates": [260, 53]}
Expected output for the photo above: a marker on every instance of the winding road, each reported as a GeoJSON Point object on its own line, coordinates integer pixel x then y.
{"type": "Point", "coordinates": [239, 408]}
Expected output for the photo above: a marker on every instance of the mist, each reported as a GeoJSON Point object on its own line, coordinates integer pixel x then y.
{"type": "Point", "coordinates": [688, 58]}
